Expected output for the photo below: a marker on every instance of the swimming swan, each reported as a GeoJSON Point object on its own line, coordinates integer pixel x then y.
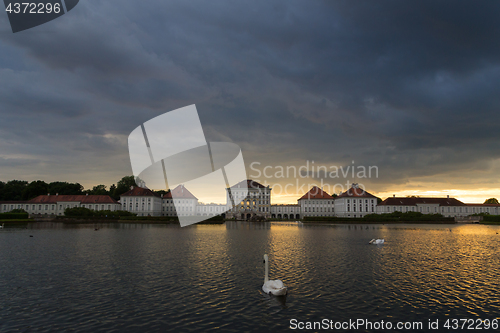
{"type": "Point", "coordinates": [272, 287]}
{"type": "Point", "coordinates": [377, 241]}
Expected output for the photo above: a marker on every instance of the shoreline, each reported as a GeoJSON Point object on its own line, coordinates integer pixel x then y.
{"type": "Point", "coordinates": [155, 221]}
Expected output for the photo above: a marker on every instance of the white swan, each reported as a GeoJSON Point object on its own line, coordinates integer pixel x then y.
{"type": "Point", "coordinates": [272, 287]}
{"type": "Point", "coordinates": [377, 241]}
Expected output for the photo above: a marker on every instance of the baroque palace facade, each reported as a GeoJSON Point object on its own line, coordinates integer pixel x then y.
{"type": "Point", "coordinates": [256, 203]}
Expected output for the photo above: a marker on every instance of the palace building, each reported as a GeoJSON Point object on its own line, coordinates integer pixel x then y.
{"type": "Point", "coordinates": [448, 207]}
{"type": "Point", "coordinates": [256, 202]}
{"type": "Point", "coordinates": [54, 205]}
{"type": "Point", "coordinates": [316, 202]}
{"type": "Point", "coordinates": [355, 202]}
{"type": "Point", "coordinates": [249, 200]}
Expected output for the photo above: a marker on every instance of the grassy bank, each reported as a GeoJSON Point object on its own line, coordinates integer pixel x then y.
{"type": "Point", "coordinates": [13, 216]}
{"type": "Point", "coordinates": [16, 221]}
{"type": "Point", "coordinates": [395, 217]}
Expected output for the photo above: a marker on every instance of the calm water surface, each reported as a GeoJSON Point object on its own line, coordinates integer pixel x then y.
{"type": "Point", "coordinates": [203, 278]}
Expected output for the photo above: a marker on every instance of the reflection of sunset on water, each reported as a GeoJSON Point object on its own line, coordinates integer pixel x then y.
{"type": "Point", "coordinates": [211, 276]}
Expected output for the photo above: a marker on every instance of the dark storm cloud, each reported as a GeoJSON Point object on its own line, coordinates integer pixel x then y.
{"type": "Point", "coordinates": [410, 87]}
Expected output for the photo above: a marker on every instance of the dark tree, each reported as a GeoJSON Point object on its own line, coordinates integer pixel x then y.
{"type": "Point", "coordinates": [34, 189]}
{"type": "Point", "coordinates": [123, 186]}
{"type": "Point", "coordinates": [13, 190]}
{"type": "Point", "coordinates": [65, 188]}
{"type": "Point", "coordinates": [160, 192]}
{"type": "Point", "coordinates": [491, 201]}
{"type": "Point", "coordinates": [99, 190]}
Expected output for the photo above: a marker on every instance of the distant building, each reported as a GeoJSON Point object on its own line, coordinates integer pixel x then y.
{"type": "Point", "coordinates": [249, 199]}
{"type": "Point", "coordinates": [316, 202]}
{"type": "Point", "coordinates": [448, 207]}
{"type": "Point", "coordinates": [50, 205]}
{"type": "Point", "coordinates": [355, 202]}
{"type": "Point", "coordinates": [142, 201]}
{"type": "Point", "coordinates": [285, 211]}
{"type": "Point", "coordinates": [257, 202]}
{"type": "Point", "coordinates": [491, 209]}
{"type": "Point", "coordinates": [182, 200]}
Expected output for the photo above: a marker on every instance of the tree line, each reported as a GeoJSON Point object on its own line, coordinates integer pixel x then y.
{"type": "Point", "coordinates": [20, 190]}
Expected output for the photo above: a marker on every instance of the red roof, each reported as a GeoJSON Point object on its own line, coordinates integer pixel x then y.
{"type": "Point", "coordinates": [180, 192]}
{"type": "Point", "coordinates": [356, 192]}
{"type": "Point", "coordinates": [140, 192]}
{"type": "Point", "coordinates": [73, 198]}
{"type": "Point", "coordinates": [249, 183]}
{"type": "Point", "coordinates": [316, 193]}
{"type": "Point", "coordinates": [411, 201]}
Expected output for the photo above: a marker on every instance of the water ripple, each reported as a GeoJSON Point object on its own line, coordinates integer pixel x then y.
{"type": "Point", "coordinates": [208, 278]}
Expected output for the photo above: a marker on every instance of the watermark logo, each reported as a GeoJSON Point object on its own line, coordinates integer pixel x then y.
{"type": "Point", "coordinates": [170, 152]}
{"type": "Point", "coordinates": [26, 15]}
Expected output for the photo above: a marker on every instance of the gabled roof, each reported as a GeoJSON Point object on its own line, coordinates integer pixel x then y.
{"type": "Point", "coordinates": [356, 192]}
{"type": "Point", "coordinates": [74, 198]}
{"type": "Point", "coordinates": [180, 192]}
{"type": "Point", "coordinates": [139, 192]}
{"type": "Point", "coordinates": [249, 183]}
{"type": "Point", "coordinates": [316, 193]}
{"type": "Point", "coordinates": [395, 201]}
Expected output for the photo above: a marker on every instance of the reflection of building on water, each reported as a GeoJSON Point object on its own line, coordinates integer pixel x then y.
{"type": "Point", "coordinates": [253, 205]}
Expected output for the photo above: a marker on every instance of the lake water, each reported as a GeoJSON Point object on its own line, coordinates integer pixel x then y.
{"type": "Point", "coordinates": [205, 278]}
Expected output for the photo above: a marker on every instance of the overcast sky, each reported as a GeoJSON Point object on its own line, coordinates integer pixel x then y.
{"type": "Point", "coordinates": [409, 87]}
